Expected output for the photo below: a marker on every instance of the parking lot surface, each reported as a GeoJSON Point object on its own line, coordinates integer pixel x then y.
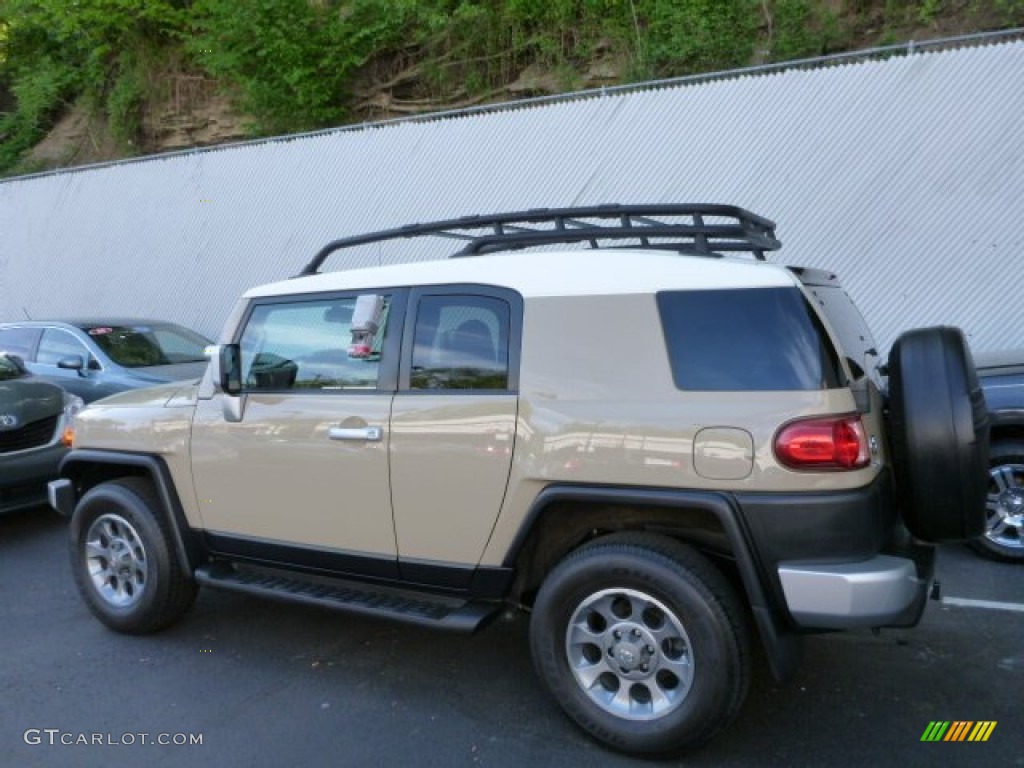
{"type": "Point", "coordinates": [266, 684]}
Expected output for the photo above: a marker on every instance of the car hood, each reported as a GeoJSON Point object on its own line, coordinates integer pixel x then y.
{"type": "Point", "coordinates": [1010, 358]}
{"type": "Point", "coordinates": [175, 372]}
{"type": "Point", "coordinates": [28, 400]}
{"type": "Point", "coordinates": [158, 395]}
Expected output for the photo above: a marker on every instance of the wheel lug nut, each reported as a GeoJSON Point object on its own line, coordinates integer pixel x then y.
{"type": "Point", "coordinates": [644, 667]}
{"type": "Point", "coordinates": [636, 632]}
{"type": "Point", "coordinates": [617, 634]}
{"type": "Point", "coordinates": [649, 649]}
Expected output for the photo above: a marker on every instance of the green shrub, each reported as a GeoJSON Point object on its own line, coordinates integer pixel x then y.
{"type": "Point", "coordinates": [677, 37]}
{"type": "Point", "coordinates": [40, 94]}
{"type": "Point", "coordinates": [125, 104]}
{"type": "Point", "coordinates": [802, 29]}
{"type": "Point", "coordinates": [293, 61]}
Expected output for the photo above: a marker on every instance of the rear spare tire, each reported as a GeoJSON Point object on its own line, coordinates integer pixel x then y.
{"type": "Point", "coordinates": [939, 435]}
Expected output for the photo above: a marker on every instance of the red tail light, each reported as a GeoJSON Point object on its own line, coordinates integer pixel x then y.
{"type": "Point", "coordinates": [833, 443]}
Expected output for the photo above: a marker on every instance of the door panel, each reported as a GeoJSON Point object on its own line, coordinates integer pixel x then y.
{"type": "Point", "coordinates": [453, 422]}
{"type": "Point", "coordinates": [278, 475]}
{"type": "Point", "coordinates": [450, 461]}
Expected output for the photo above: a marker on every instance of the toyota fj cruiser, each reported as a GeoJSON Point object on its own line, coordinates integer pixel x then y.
{"type": "Point", "coordinates": [658, 447]}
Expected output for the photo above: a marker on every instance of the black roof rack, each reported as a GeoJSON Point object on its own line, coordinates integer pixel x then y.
{"type": "Point", "coordinates": [672, 227]}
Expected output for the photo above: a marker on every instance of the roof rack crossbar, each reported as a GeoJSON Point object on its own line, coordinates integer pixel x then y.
{"type": "Point", "coordinates": [702, 239]}
{"type": "Point", "coordinates": [456, 235]}
{"type": "Point", "coordinates": [507, 228]}
{"type": "Point", "coordinates": [579, 224]}
{"type": "Point", "coordinates": [645, 220]}
{"type": "Point", "coordinates": [742, 231]}
{"type": "Point", "coordinates": [694, 243]}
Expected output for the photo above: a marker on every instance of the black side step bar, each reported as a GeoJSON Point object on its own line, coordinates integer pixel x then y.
{"type": "Point", "coordinates": [423, 609]}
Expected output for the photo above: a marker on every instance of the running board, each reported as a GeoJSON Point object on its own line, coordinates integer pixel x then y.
{"type": "Point", "coordinates": [424, 609]}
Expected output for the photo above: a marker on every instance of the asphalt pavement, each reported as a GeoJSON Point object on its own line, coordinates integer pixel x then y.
{"type": "Point", "coordinates": [261, 683]}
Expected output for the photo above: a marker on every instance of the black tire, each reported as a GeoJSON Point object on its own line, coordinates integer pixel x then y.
{"type": "Point", "coordinates": [673, 610]}
{"type": "Point", "coordinates": [939, 435]}
{"type": "Point", "coordinates": [123, 561]}
{"type": "Point", "coordinates": [1004, 527]}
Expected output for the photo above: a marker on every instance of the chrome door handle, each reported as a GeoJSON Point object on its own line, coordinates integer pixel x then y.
{"type": "Point", "coordinates": [371, 434]}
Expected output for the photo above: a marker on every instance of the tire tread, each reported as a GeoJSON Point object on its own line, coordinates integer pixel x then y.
{"type": "Point", "coordinates": [172, 598]}
{"type": "Point", "coordinates": [719, 597]}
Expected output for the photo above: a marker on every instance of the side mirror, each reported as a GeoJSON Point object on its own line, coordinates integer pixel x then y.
{"type": "Point", "coordinates": [72, 363]}
{"type": "Point", "coordinates": [367, 318]}
{"type": "Point", "coordinates": [226, 368]}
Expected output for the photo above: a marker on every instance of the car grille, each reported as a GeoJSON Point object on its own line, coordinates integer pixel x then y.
{"type": "Point", "coordinates": [31, 435]}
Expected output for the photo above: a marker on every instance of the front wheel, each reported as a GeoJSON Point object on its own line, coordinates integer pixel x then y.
{"type": "Point", "coordinates": [122, 558]}
{"type": "Point", "coordinates": [643, 642]}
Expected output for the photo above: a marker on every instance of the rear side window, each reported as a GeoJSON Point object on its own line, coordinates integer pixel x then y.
{"type": "Point", "coordinates": [19, 341]}
{"type": "Point", "coordinates": [756, 339]}
{"type": "Point", "coordinates": [461, 342]}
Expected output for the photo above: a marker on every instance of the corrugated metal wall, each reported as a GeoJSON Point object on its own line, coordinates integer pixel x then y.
{"type": "Point", "coordinates": [904, 175]}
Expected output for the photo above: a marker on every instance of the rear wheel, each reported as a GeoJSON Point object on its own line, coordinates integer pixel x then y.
{"type": "Point", "coordinates": [1004, 527]}
{"type": "Point", "coordinates": [123, 561]}
{"type": "Point", "coordinates": [643, 643]}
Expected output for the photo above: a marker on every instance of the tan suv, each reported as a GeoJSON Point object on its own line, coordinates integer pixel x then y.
{"type": "Point", "coordinates": [659, 448]}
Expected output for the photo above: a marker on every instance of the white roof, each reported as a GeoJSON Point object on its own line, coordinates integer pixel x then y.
{"type": "Point", "coordinates": [554, 273]}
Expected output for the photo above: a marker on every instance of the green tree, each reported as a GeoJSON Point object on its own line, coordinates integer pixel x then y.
{"type": "Point", "coordinates": [293, 61]}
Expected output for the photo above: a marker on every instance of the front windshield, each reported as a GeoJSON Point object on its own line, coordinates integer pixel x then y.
{"type": "Point", "coordinates": [10, 369]}
{"type": "Point", "coordinates": [138, 346]}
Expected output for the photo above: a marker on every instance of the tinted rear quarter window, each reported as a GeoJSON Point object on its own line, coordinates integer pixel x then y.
{"type": "Point", "coordinates": [461, 342]}
{"type": "Point", "coordinates": [755, 339]}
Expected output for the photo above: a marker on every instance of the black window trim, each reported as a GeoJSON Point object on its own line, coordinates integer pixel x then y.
{"type": "Point", "coordinates": [476, 290]}
{"type": "Point", "coordinates": [387, 371]}
{"type": "Point", "coordinates": [835, 333]}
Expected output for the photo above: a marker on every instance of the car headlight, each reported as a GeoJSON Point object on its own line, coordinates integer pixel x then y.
{"type": "Point", "coordinates": [72, 405]}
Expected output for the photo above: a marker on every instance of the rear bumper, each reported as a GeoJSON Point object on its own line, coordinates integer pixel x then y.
{"type": "Point", "coordinates": [881, 591]}
{"type": "Point", "coordinates": [840, 560]}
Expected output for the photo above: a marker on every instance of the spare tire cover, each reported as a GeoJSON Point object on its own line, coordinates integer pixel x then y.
{"type": "Point", "coordinates": [939, 435]}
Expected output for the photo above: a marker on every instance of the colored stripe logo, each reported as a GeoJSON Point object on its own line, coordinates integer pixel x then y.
{"type": "Point", "coordinates": [959, 730]}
